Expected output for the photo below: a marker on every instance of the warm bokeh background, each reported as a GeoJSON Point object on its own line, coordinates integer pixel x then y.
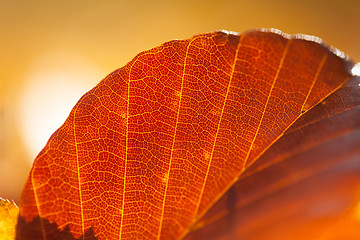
{"type": "Point", "coordinates": [52, 52]}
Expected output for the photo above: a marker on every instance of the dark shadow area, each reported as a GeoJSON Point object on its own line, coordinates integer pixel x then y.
{"type": "Point", "coordinates": [34, 230]}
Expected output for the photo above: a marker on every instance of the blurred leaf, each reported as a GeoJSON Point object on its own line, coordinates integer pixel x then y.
{"type": "Point", "coordinates": [8, 215]}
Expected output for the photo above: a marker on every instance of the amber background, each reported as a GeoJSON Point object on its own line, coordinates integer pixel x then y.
{"type": "Point", "coordinates": [97, 37]}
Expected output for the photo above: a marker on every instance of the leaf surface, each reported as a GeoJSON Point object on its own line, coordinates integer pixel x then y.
{"type": "Point", "coordinates": [306, 186]}
{"type": "Point", "coordinates": [147, 152]}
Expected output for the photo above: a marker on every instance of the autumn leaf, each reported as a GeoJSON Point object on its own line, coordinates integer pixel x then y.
{"type": "Point", "coordinates": [205, 136]}
{"type": "Point", "coordinates": [8, 215]}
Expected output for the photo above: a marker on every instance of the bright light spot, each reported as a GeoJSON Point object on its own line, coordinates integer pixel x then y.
{"type": "Point", "coordinates": [165, 179]}
{"type": "Point", "coordinates": [54, 84]}
{"type": "Point", "coordinates": [206, 155]}
{"type": "Point", "coordinates": [356, 70]}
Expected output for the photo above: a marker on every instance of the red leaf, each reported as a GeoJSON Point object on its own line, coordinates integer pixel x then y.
{"type": "Point", "coordinates": [154, 145]}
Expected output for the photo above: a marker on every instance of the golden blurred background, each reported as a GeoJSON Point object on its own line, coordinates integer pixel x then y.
{"type": "Point", "coordinates": [52, 52]}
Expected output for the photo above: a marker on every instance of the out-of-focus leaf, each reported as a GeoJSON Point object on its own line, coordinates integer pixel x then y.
{"type": "Point", "coordinates": [8, 215]}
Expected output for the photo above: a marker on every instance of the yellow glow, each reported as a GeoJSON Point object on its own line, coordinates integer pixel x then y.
{"type": "Point", "coordinates": [55, 83]}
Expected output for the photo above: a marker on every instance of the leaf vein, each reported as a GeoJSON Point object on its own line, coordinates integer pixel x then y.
{"type": "Point", "coordinates": [126, 148]}
{"type": "Point", "coordinates": [78, 174]}
{"type": "Point", "coordinates": [267, 101]}
{"type": "Point", "coordinates": [322, 62]}
{"type": "Point", "coordinates": [218, 127]}
{"type": "Point", "coordinates": [173, 143]}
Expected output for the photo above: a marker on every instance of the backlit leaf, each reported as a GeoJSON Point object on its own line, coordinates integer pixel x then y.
{"type": "Point", "coordinates": [147, 152]}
